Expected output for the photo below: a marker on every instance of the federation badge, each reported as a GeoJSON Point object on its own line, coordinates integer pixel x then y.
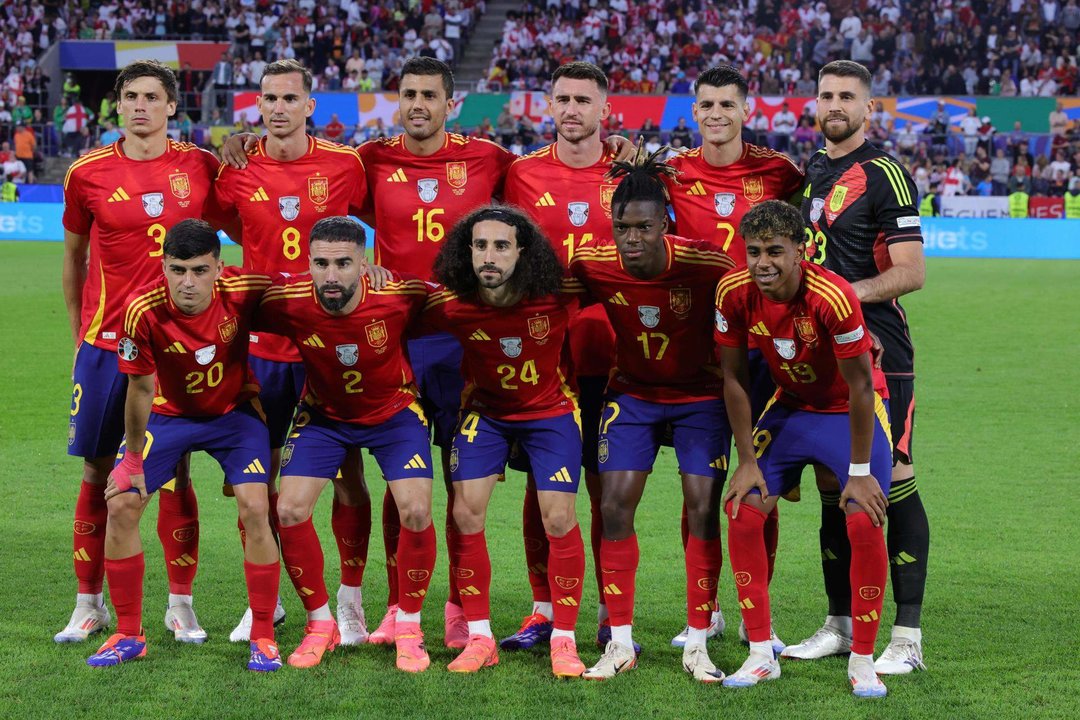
{"type": "Point", "coordinates": [427, 189]}
{"type": "Point", "coordinates": [816, 206]}
{"type": "Point", "coordinates": [724, 203]}
{"type": "Point", "coordinates": [180, 185]}
{"type": "Point", "coordinates": [567, 583]}
{"type": "Point", "coordinates": [649, 315]}
{"type": "Point", "coordinates": [721, 322]}
{"type": "Point", "coordinates": [418, 575]}
{"type": "Point", "coordinates": [376, 334]}
{"type": "Point", "coordinates": [606, 193]}
{"type": "Point", "coordinates": [804, 326]}
{"type": "Point", "coordinates": [539, 327]}
{"type": "Point", "coordinates": [602, 450]}
{"type": "Point", "coordinates": [347, 354]}
{"type": "Point", "coordinates": [82, 527]}
{"type": "Point", "coordinates": [463, 573]}
{"type": "Point", "coordinates": [742, 579]}
{"type": "Point", "coordinates": [126, 349]}
{"type": "Point", "coordinates": [679, 299]}
{"type": "Point", "coordinates": [71, 433]}
{"type": "Point", "coordinates": [289, 206]}
{"type": "Point", "coordinates": [785, 348]}
{"type": "Point", "coordinates": [511, 346]}
{"type": "Point", "coordinates": [318, 189]}
{"type": "Point", "coordinates": [836, 198]}
{"type": "Point", "coordinates": [295, 571]}
{"type": "Point", "coordinates": [578, 212]}
{"type": "Point", "coordinates": [286, 454]}
{"type": "Point", "coordinates": [204, 356]}
{"type": "Point", "coordinates": [183, 534]}
{"type": "Point", "coordinates": [227, 330]}
{"type": "Point", "coordinates": [753, 188]}
{"type": "Point", "coordinates": [456, 174]}
{"type": "Point", "coordinates": [153, 204]}
{"type": "Point", "coordinates": [869, 592]}
{"type": "Point", "coordinates": [707, 583]}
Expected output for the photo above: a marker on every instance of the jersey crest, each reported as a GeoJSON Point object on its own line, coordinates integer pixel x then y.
{"type": "Point", "coordinates": [153, 204]}
{"type": "Point", "coordinates": [785, 348]}
{"type": "Point", "coordinates": [578, 212]}
{"type": "Point", "coordinates": [606, 193]}
{"type": "Point", "coordinates": [804, 326]}
{"type": "Point", "coordinates": [680, 300]}
{"type": "Point", "coordinates": [511, 346]}
{"type": "Point", "coordinates": [724, 203]}
{"type": "Point", "coordinates": [753, 188]}
{"type": "Point", "coordinates": [318, 189]}
{"type": "Point", "coordinates": [289, 205]}
{"type": "Point", "coordinates": [376, 334]}
{"type": "Point", "coordinates": [427, 189]}
{"type": "Point", "coordinates": [205, 356]}
{"type": "Point", "coordinates": [649, 315]}
{"type": "Point", "coordinates": [180, 185]}
{"type": "Point", "coordinates": [539, 327]}
{"type": "Point", "coordinates": [457, 174]}
{"type": "Point", "coordinates": [347, 354]}
{"type": "Point", "coordinates": [227, 330]}
{"type": "Point", "coordinates": [836, 199]}
{"type": "Point", "coordinates": [816, 206]}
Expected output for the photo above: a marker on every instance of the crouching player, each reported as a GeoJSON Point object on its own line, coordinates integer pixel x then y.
{"type": "Point", "coordinates": [502, 278]}
{"type": "Point", "coordinates": [359, 394]}
{"type": "Point", "coordinates": [828, 410]}
{"type": "Point", "coordinates": [189, 330]}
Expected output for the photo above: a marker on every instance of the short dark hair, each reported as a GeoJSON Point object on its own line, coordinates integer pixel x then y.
{"type": "Point", "coordinates": [338, 228]}
{"type": "Point", "coordinates": [538, 272]}
{"type": "Point", "coordinates": [430, 66]}
{"type": "Point", "coordinates": [288, 67]}
{"type": "Point", "coordinates": [640, 178]}
{"type": "Point", "coordinates": [773, 218]}
{"type": "Point", "coordinates": [191, 238]}
{"type": "Point", "coordinates": [847, 68]}
{"type": "Point", "coordinates": [581, 70]}
{"type": "Point", "coordinates": [148, 68]}
{"type": "Point", "coordinates": [719, 76]}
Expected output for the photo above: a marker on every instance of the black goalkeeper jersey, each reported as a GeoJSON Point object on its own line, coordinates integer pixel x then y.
{"type": "Point", "coordinates": [854, 207]}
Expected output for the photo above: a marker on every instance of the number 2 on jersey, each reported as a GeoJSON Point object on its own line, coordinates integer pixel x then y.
{"type": "Point", "coordinates": [815, 246]}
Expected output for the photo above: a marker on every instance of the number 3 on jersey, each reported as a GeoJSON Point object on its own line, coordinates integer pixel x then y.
{"type": "Point", "coordinates": [815, 246]}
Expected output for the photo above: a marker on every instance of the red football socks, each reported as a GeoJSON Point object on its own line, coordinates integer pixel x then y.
{"type": "Point", "coordinates": [416, 561]}
{"type": "Point", "coordinates": [566, 570]}
{"type": "Point", "coordinates": [452, 542]}
{"type": "Point", "coordinates": [178, 531]}
{"type": "Point", "coordinates": [303, 557]}
{"type": "Point", "coordinates": [536, 545]}
{"type": "Point", "coordinates": [596, 539]}
{"type": "Point", "coordinates": [126, 589]}
{"type": "Point", "coordinates": [472, 573]}
{"type": "Point", "coordinates": [772, 537]}
{"type": "Point", "coordinates": [391, 530]}
{"type": "Point", "coordinates": [352, 529]}
{"type": "Point", "coordinates": [869, 568]}
{"type": "Point", "coordinates": [619, 560]}
{"type": "Point", "coordinates": [262, 588]}
{"type": "Point", "coordinates": [750, 566]}
{"type": "Point", "coordinates": [91, 514]}
{"type": "Point", "coordinates": [702, 569]}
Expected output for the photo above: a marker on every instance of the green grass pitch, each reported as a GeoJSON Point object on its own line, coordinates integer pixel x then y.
{"type": "Point", "coordinates": [998, 466]}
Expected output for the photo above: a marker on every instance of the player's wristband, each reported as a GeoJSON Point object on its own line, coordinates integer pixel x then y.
{"type": "Point", "coordinates": [858, 469]}
{"type": "Point", "coordinates": [132, 464]}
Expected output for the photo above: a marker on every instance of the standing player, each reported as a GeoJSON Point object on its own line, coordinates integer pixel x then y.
{"type": "Point", "coordinates": [359, 393]}
{"type": "Point", "coordinates": [564, 188]}
{"type": "Point", "coordinates": [502, 276]}
{"type": "Point", "coordinates": [717, 184]}
{"type": "Point", "coordinates": [863, 224]}
{"type": "Point", "coordinates": [184, 351]}
{"type": "Point", "coordinates": [826, 412]}
{"type": "Point", "coordinates": [291, 181]}
{"type": "Point", "coordinates": [421, 183]}
{"type": "Point", "coordinates": [657, 290]}
{"type": "Point", "coordinates": [119, 201]}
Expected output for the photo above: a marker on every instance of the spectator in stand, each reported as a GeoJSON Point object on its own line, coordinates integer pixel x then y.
{"type": "Point", "coordinates": [783, 126]}
{"type": "Point", "coordinates": [1019, 181]}
{"type": "Point", "coordinates": [335, 129]}
{"type": "Point", "coordinates": [969, 128]}
{"type": "Point", "coordinates": [682, 133]}
{"type": "Point", "coordinates": [758, 125]}
{"type": "Point", "coordinates": [26, 149]}
{"type": "Point", "coordinates": [1059, 121]}
{"type": "Point", "coordinates": [1000, 168]}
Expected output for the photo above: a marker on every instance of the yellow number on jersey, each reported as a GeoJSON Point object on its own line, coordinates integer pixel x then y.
{"type": "Point", "coordinates": [76, 399]}
{"type": "Point", "coordinates": [799, 372]}
{"type": "Point", "coordinates": [614, 407]}
{"type": "Point", "coordinates": [571, 243]}
{"type": "Point", "coordinates": [528, 374]}
{"type": "Point", "coordinates": [427, 227]}
{"type": "Point", "coordinates": [815, 246]}
{"type": "Point", "coordinates": [156, 232]}
{"type": "Point", "coordinates": [353, 377]}
{"type": "Point", "coordinates": [468, 426]}
{"type": "Point", "coordinates": [730, 230]}
{"type": "Point", "coordinates": [146, 448]}
{"type": "Point", "coordinates": [644, 338]}
{"type": "Point", "coordinates": [213, 377]}
{"type": "Point", "coordinates": [290, 238]}
{"type": "Point", "coordinates": [762, 438]}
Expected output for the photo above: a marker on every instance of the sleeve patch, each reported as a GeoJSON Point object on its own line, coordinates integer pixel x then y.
{"type": "Point", "coordinates": [848, 338]}
{"type": "Point", "coordinates": [908, 222]}
{"type": "Point", "coordinates": [721, 322]}
{"type": "Point", "coordinates": [127, 349]}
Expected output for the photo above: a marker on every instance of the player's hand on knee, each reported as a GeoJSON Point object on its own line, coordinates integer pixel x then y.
{"type": "Point", "coordinates": [127, 475]}
{"type": "Point", "coordinates": [865, 492]}
{"type": "Point", "coordinates": [746, 477]}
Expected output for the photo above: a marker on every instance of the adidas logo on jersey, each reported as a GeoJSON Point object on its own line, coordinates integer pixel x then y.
{"type": "Point", "coordinates": [562, 476]}
{"type": "Point", "coordinates": [417, 463]}
{"type": "Point", "coordinates": [617, 299]}
{"type": "Point", "coordinates": [760, 329]}
{"type": "Point", "coordinates": [314, 341]}
{"type": "Point", "coordinates": [545, 200]}
{"type": "Point", "coordinates": [397, 176]}
{"type": "Point", "coordinates": [696, 189]}
{"type": "Point", "coordinates": [260, 195]}
{"type": "Point", "coordinates": [119, 195]}
{"type": "Point", "coordinates": [176, 347]}
{"type": "Point", "coordinates": [479, 335]}
{"type": "Point", "coordinates": [255, 468]}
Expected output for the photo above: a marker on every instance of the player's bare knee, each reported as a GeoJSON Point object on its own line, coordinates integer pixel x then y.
{"type": "Point", "coordinates": [560, 519]}
{"type": "Point", "coordinates": [292, 511]}
{"type": "Point", "coordinates": [125, 510]}
{"type": "Point", "coordinates": [415, 515]}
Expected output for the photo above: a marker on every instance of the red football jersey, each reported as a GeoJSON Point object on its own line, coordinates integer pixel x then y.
{"type": "Point", "coordinates": [357, 366]}
{"type": "Point", "coordinates": [664, 348]}
{"type": "Point", "coordinates": [278, 203]}
{"type": "Point", "coordinates": [126, 206]}
{"type": "Point", "coordinates": [801, 338]}
{"type": "Point", "coordinates": [572, 206]}
{"type": "Point", "coordinates": [514, 364]}
{"type": "Point", "coordinates": [710, 202]}
{"type": "Point", "coordinates": [416, 200]}
{"type": "Point", "coordinates": [200, 360]}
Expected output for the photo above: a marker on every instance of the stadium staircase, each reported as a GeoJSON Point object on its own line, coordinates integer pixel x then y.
{"type": "Point", "coordinates": [487, 33]}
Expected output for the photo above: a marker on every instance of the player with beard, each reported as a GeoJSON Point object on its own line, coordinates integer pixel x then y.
{"type": "Point", "coordinates": [862, 222]}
